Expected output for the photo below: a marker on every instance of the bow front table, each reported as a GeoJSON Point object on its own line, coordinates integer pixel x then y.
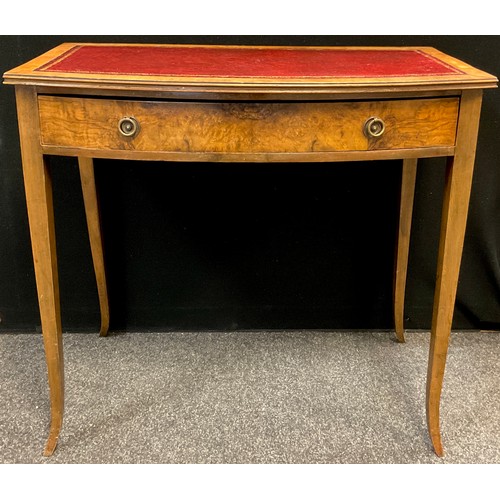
{"type": "Point", "coordinates": [247, 104]}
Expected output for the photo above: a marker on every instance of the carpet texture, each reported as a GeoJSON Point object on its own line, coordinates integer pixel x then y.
{"type": "Point", "coordinates": [250, 397]}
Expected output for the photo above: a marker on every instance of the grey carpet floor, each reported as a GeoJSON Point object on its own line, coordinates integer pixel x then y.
{"type": "Point", "coordinates": [250, 397]}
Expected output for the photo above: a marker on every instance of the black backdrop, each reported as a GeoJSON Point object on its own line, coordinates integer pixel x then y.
{"type": "Point", "coordinates": [216, 246]}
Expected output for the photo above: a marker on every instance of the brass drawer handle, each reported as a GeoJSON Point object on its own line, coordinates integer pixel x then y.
{"type": "Point", "coordinates": [374, 127]}
{"type": "Point", "coordinates": [128, 126]}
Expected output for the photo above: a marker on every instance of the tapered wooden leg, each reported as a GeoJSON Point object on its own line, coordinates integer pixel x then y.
{"type": "Point", "coordinates": [403, 243]}
{"type": "Point", "coordinates": [38, 189]}
{"type": "Point", "coordinates": [94, 227]}
{"type": "Point", "coordinates": [455, 207]}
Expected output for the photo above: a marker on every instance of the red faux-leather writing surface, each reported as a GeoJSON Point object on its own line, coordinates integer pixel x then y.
{"type": "Point", "coordinates": [247, 62]}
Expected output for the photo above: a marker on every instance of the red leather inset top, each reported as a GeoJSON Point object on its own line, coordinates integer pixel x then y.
{"type": "Point", "coordinates": [247, 62]}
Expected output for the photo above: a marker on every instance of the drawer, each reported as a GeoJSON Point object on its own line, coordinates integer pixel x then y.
{"type": "Point", "coordinates": [236, 127]}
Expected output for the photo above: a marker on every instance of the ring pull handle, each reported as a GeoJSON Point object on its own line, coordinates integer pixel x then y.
{"type": "Point", "coordinates": [128, 126]}
{"type": "Point", "coordinates": [374, 127]}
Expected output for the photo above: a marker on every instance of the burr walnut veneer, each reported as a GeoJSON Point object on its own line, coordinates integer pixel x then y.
{"type": "Point", "coordinates": [248, 104]}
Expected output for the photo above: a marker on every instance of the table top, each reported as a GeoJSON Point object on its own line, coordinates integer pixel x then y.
{"type": "Point", "coordinates": [248, 67]}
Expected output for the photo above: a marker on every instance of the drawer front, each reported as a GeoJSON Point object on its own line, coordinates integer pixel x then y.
{"type": "Point", "coordinates": [225, 127]}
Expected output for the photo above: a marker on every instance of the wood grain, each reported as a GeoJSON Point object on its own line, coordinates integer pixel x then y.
{"type": "Point", "coordinates": [86, 166]}
{"type": "Point", "coordinates": [409, 176]}
{"type": "Point", "coordinates": [185, 127]}
{"type": "Point", "coordinates": [236, 94]}
{"type": "Point", "coordinates": [329, 156]}
{"type": "Point", "coordinates": [455, 207]}
{"type": "Point", "coordinates": [38, 188]}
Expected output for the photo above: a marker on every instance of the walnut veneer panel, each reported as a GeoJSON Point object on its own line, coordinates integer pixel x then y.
{"type": "Point", "coordinates": [189, 127]}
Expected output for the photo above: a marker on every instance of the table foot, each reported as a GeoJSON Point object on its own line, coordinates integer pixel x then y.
{"type": "Point", "coordinates": [435, 435]}
{"type": "Point", "coordinates": [51, 444]}
{"type": "Point", "coordinates": [400, 337]}
{"type": "Point", "coordinates": [103, 331]}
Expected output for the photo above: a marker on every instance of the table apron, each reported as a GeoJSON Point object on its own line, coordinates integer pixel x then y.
{"type": "Point", "coordinates": [230, 131]}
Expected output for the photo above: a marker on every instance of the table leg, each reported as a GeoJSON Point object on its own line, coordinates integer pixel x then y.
{"type": "Point", "coordinates": [403, 243]}
{"type": "Point", "coordinates": [94, 228]}
{"type": "Point", "coordinates": [455, 207]}
{"type": "Point", "coordinates": [38, 189]}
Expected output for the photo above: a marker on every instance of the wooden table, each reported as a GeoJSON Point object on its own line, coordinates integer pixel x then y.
{"type": "Point", "coordinates": [248, 104]}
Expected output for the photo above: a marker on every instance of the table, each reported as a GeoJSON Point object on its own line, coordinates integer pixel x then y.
{"type": "Point", "coordinates": [248, 104]}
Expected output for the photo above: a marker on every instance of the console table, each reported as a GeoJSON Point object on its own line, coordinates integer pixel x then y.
{"type": "Point", "coordinates": [247, 104]}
